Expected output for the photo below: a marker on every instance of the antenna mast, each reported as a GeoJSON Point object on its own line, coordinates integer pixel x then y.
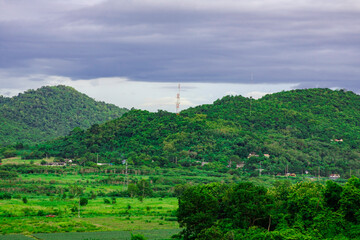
{"type": "Point", "coordinates": [251, 96]}
{"type": "Point", "coordinates": [178, 101]}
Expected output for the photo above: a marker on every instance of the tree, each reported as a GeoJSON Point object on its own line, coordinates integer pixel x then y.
{"type": "Point", "coordinates": [200, 207]}
{"type": "Point", "coordinates": [83, 201]}
{"type": "Point", "coordinates": [246, 205]}
{"type": "Point", "coordinates": [350, 200]}
{"type": "Point", "coordinates": [143, 189]}
{"type": "Point", "coordinates": [332, 195]}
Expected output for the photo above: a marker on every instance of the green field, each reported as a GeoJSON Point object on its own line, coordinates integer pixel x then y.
{"type": "Point", "coordinates": [114, 235]}
{"type": "Point", "coordinates": [126, 214]}
{"type": "Point", "coordinates": [111, 213]}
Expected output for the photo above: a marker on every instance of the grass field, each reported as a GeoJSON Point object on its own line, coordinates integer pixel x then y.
{"type": "Point", "coordinates": [115, 235]}
{"type": "Point", "coordinates": [48, 192]}
{"type": "Point", "coordinates": [18, 160]}
{"type": "Point", "coordinates": [126, 214]}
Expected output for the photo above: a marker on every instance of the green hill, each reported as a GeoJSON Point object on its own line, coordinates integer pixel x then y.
{"type": "Point", "coordinates": [50, 112]}
{"type": "Point", "coordinates": [299, 130]}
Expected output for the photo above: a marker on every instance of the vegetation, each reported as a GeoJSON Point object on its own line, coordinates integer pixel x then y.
{"type": "Point", "coordinates": [236, 169]}
{"type": "Point", "coordinates": [313, 130]}
{"type": "Point", "coordinates": [247, 211]}
{"type": "Point", "coordinates": [49, 112]}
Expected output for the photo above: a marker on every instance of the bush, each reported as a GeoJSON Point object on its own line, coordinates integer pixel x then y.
{"type": "Point", "coordinates": [106, 201]}
{"type": "Point", "coordinates": [25, 200]}
{"type": "Point", "coordinates": [41, 213]}
{"type": "Point", "coordinates": [5, 196]}
{"type": "Point", "coordinates": [137, 237]}
{"type": "Point", "coordinates": [83, 201]}
{"type": "Point", "coordinates": [8, 174]}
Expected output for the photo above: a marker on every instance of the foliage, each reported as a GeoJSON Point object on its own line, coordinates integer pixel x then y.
{"type": "Point", "coordinates": [309, 130]}
{"type": "Point", "coordinates": [8, 174]}
{"type": "Point", "coordinates": [49, 112]}
{"type": "Point", "coordinates": [137, 237]}
{"type": "Point", "coordinates": [304, 210]}
{"type": "Point", "coordinates": [83, 201]}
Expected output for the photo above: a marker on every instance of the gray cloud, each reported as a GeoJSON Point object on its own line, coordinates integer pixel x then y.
{"type": "Point", "coordinates": [313, 43]}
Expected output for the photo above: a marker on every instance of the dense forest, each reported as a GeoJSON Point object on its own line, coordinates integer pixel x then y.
{"type": "Point", "coordinates": [306, 210]}
{"type": "Point", "coordinates": [50, 112]}
{"type": "Point", "coordinates": [313, 131]}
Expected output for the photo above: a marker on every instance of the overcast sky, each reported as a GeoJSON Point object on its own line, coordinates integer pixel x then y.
{"type": "Point", "coordinates": [133, 53]}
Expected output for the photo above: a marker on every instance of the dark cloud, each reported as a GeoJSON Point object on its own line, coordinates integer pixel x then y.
{"type": "Point", "coordinates": [313, 44]}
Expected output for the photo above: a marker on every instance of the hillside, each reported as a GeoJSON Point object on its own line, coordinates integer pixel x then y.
{"type": "Point", "coordinates": [50, 112]}
{"type": "Point", "coordinates": [299, 130]}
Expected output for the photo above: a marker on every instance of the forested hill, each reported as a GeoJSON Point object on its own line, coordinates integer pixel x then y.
{"type": "Point", "coordinates": [50, 112]}
{"type": "Point", "coordinates": [306, 130]}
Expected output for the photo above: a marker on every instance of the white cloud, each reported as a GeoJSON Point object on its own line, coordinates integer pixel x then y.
{"type": "Point", "coordinates": [150, 96]}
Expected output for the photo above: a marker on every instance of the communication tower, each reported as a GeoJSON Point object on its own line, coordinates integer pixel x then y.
{"type": "Point", "coordinates": [178, 101]}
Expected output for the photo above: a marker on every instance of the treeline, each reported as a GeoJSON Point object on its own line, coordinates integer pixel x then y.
{"type": "Point", "coordinates": [305, 210]}
{"type": "Point", "coordinates": [312, 130]}
{"type": "Point", "coordinates": [50, 112]}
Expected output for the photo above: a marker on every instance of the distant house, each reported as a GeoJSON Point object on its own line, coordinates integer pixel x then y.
{"type": "Point", "coordinates": [103, 164]}
{"type": "Point", "coordinates": [334, 176]}
{"type": "Point", "coordinates": [339, 140]}
{"type": "Point", "coordinates": [290, 174]}
{"type": "Point", "coordinates": [55, 164]}
{"type": "Point", "coordinates": [253, 154]}
{"type": "Point", "coordinates": [266, 155]}
{"type": "Point", "coordinates": [68, 160]}
{"type": "Point", "coordinates": [240, 165]}
{"type": "Point", "coordinates": [204, 163]}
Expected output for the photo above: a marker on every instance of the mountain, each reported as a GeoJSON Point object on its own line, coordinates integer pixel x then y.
{"type": "Point", "coordinates": [49, 112]}
{"type": "Point", "coordinates": [301, 130]}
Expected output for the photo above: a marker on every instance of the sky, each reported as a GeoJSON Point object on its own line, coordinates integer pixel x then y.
{"type": "Point", "coordinates": [134, 53]}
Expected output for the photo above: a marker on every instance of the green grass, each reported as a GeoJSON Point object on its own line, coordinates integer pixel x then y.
{"type": "Point", "coordinates": [116, 235]}
{"type": "Point", "coordinates": [14, 237]}
{"type": "Point", "coordinates": [18, 160]}
{"type": "Point", "coordinates": [152, 213]}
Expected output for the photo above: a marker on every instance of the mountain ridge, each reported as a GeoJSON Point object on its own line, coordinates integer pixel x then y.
{"type": "Point", "coordinates": [50, 112]}
{"type": "Point", "coordinates": [290, 131]}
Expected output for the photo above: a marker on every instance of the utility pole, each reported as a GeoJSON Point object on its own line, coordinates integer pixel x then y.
{"type": "Point", "coordinates": [79, 207]}
{"type": "Point", "coordinates": [126, 173]}
{"type": "Point", "coordinates": [260, 169]}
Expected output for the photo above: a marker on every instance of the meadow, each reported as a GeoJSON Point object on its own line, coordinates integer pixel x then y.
{"type": "Point", "coordinates": [45, 200]}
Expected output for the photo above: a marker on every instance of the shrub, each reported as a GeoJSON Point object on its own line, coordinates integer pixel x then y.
{"type": "Point", "coordinates": [5, 196]}
{"type": "Point", "coordinates": [8, 174]}
{"type": "Point", "coordinates": [106, 201]}
{"type": "Point", "coordinates": [137, 237]}
{"type": "Point", "coordinates": [41, 213]}
{"type": "Point", "coordinates": [83, 201]}
{"type": "Point", "coordinates": [25, 200]}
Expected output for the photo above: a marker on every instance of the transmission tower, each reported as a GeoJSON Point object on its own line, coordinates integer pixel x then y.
{"type": "Point", "coordinates": [178, 101]}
